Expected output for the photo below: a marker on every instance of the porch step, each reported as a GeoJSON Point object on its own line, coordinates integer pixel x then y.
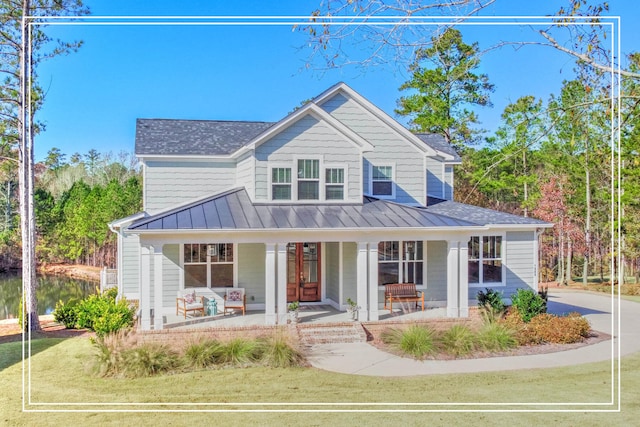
{"type": "Point", "coordinates": [331, 333]}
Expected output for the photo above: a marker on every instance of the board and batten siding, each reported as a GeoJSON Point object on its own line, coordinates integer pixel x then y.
{"type": "Point", "coordinates": [131, 265]}
{"type": "Point", "coordinates": [436, 255]}
{"type": "Point", "coordinates": [168, 184]}
{"type": "Point", "coordinates": [171, 271]}
{"type": "Point", "coordinates": [389, 148]}
{"type": "Point", "coordinates": [520, 261]}
{"type": "Point", "coordinates": [251, 271]}
{"type": "Point", "coordinates": [349, 272]}
{"type": "Point", "coordinates": [332, 270]}
{"type": "Point", "coordinates": [313, 139]}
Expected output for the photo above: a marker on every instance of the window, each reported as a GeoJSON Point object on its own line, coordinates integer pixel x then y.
{"type": "Point", "coordinates": [485, 260]}
{"type": "Point", "coordinates": [334, 181]}
{"type": "Point", "coordinates": [281, 184]}
{"type": "Point", "coordinates": [208, 265]}
{"type": "Point", "coordinates": [308, 179]}
{"type": "Point", "coordinates": [400, 262]}
{"type": "Point", "coordinates": [382, 181]}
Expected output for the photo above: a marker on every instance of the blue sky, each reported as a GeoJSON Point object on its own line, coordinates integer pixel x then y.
{"type": "Point", "coordinates": [247, 72]}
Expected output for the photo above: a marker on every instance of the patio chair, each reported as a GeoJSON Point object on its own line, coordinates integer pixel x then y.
{"type": "Point", "coordinates": [235, 299]}
{"type": "Point", "coordinates": [187, 301]}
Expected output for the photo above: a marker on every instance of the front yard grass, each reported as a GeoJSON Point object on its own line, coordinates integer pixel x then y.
{"type": "Point", "coordinates": [58, 374]}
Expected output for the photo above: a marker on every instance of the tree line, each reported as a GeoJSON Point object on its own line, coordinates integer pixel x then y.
{"type": "Point", "coordinates": [74, 202]}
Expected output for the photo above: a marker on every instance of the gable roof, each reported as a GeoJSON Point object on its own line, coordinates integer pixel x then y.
{"type": "Point", "coordinates": [439, 144]}
{"type": "Point", "coordinates": [233, 210]}
{"type": "Point", "coordinates": [194, 137]}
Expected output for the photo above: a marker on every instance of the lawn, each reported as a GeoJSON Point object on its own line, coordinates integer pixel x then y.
{"type": "Point", "coordinates": [59, 374]}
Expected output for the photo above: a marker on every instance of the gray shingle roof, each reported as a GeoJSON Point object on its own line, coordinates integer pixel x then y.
{"type": "Point", "coordinates": [437, 142]}
{"type": "Point", "coordinates": [481, 216]}
{"type": "Point", "coordinates": [234, 210]}
{"type": "Point", "coordinates": [194, 137]}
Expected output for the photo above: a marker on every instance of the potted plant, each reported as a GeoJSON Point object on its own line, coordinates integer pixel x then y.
{"type": "Point", "coordinates": [293, 312]}
{"type": "Point", "coordinates": [352, 309]}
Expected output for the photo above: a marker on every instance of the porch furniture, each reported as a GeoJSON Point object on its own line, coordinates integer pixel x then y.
{"type": "Point", "coordinates": [212, 307]}
{"type": "Point", "coordinates": [402, 292]}
{"type": "Point", "coordinates": [235, 299]}
{"type": "Point", "coordinates": [187, 301]}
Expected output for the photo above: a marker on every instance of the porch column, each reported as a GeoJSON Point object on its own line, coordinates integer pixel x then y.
{"type": "Point", "coordinates": [453, 275]}
{"type": "Point", "coordinates": [281, 284]}
{"type": "Point", "coordinates": [270, 285]}
{"type": "Point", "coordinates": [463, 278]}
{"type": "Point", "coordinates": [361, 285]}
{"type": "Point", "coordinates": [373, 281]}
{"type": "Point", "coordinates": [157, 287]}
{"type": "Point", "coordinates": [145, 288]}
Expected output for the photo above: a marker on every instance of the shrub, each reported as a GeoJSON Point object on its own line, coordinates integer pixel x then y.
{"type": "Point", "coordinates": [278, 352]}
{"type": "Point", "coordinates": [528, 303]}
{"type": "Point", "coordinates": [66, 313]}
{"type": "Point", "coordinates": [238, 351]}
{"type": "Point", "coordinates": [458, 340]}
{"type": "Point", "coordinates": [496, 337]}
{"type": "Point", "coordinates": [559, 329]}
{"type": "Point", "coordinates": [203, 354]}
{"type": "Point", "coordinates": [102, 314]}
{"type": "Point", "coordinates": [513, 321]}
{"type": "Point", "coordinates": [491, 305]}
{"type": "Point", "coordinates": [148, 359]}
{"type": "Point", "coordinates": [416, 341]}
{"type": "Point", "coordinates": [109, 351]}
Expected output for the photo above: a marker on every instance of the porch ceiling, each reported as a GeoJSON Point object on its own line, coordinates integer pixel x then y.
{"type": "Point", "coordinates": [234, 210]}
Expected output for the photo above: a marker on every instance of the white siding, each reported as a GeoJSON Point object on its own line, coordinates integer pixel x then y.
{"type": "Point", "coordinates": [349, 273]}
{"type": "Point", "coordinates": [244, 174]}
{"type": "Point", "coordinates": [332, 270]}
{"type": "Point", "coordinates": [168, 184]}
{"type": "Point", "coordinates": [436, 271]}
{"type": "Point", "coordinates": [251, 272]}
{"type": "Point", "coordinates": [389, 148]}
{"type": "Point", "coordinates": [130, 265]}
{"type": "Point", "coordinates": [520, 261]}
{"type": "Point", "coordinates": [448, 182]}
{"type": "Point", "coordinates": [308, 138]}
{"type": "Point", "coordinates": [170, 274]}
{"type": "Point", "coordinates": [434, 178]}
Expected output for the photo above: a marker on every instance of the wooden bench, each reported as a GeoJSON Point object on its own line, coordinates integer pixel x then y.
{"type": "Point", "coordinates": [402, 292]}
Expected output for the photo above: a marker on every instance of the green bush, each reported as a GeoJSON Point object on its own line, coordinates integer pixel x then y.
{"type": "Point", "coordinates": [202, 354]}
{"type": "Point", "coordinates": [528, 303]}
{"type": "Point", "coordinates": [66, 313]}
{"type": "Point", "coordinates": [496, 337]}
{"type": "Point", "coordinates": [238, 351]}
{"type": "Point", "coordinates": [278, 352]}
{"type": "Point", "coordinates": [102, 314]}
{"type": "Point", "coordinates": [491, 305]}
{"type": "Point", "coordinates": [458, 340]}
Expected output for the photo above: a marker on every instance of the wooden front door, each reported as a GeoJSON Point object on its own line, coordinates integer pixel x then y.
{"type": "Point", "coordinates": [303, 272]}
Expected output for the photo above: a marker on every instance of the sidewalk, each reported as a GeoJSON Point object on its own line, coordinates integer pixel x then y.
{"type": "Point", "coordinates": [364, 359]}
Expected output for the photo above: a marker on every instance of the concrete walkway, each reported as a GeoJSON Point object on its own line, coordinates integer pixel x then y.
{"type": "Point", "coordinates": [364, 359]}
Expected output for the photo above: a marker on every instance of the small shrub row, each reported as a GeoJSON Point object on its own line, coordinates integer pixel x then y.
{"type": "Point", "coordinates": [547, 328]}
{"type": "Point", "coordinates": [120, 354]}
{"type": "Point", "coordinates": [459, 340]}
{"type": "Point", "coordinates": [99, 312]}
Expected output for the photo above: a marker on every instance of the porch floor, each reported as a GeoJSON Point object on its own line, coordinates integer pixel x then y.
{"type": "Point", "coordinates": [308, 314]}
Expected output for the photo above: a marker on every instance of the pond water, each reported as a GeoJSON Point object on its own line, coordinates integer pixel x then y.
{"type": "Point", "coordinates": [51, 289]}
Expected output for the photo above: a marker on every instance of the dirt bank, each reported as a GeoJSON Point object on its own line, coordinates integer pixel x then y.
{"type": "Point", "coordinates": [76, 271]}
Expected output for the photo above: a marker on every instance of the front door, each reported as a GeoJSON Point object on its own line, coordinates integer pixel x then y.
{"type": "Point", "coordinates": [303, 272]}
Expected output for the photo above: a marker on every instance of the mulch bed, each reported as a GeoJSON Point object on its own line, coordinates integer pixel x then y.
{"type": "Point", "coordinates": [50, 329]}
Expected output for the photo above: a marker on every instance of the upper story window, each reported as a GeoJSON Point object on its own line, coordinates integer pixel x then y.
{"type": "Point", "coordinates": [281, 184]}
{"type": "Point", "coordinates": [334, 184]}
{"type": "Point", "coordinates": [485, 260]}
{"type": "Point", "coordinates": [308, 179]}
{"type": "Point", "coordinates": [382, 181]}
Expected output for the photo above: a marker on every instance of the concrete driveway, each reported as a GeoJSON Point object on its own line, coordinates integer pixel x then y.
{"type": "Point", "coordinates": [364, 359]}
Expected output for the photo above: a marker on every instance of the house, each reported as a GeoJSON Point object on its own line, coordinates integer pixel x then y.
{"type": "Point", "coordinates": [331, 202]}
